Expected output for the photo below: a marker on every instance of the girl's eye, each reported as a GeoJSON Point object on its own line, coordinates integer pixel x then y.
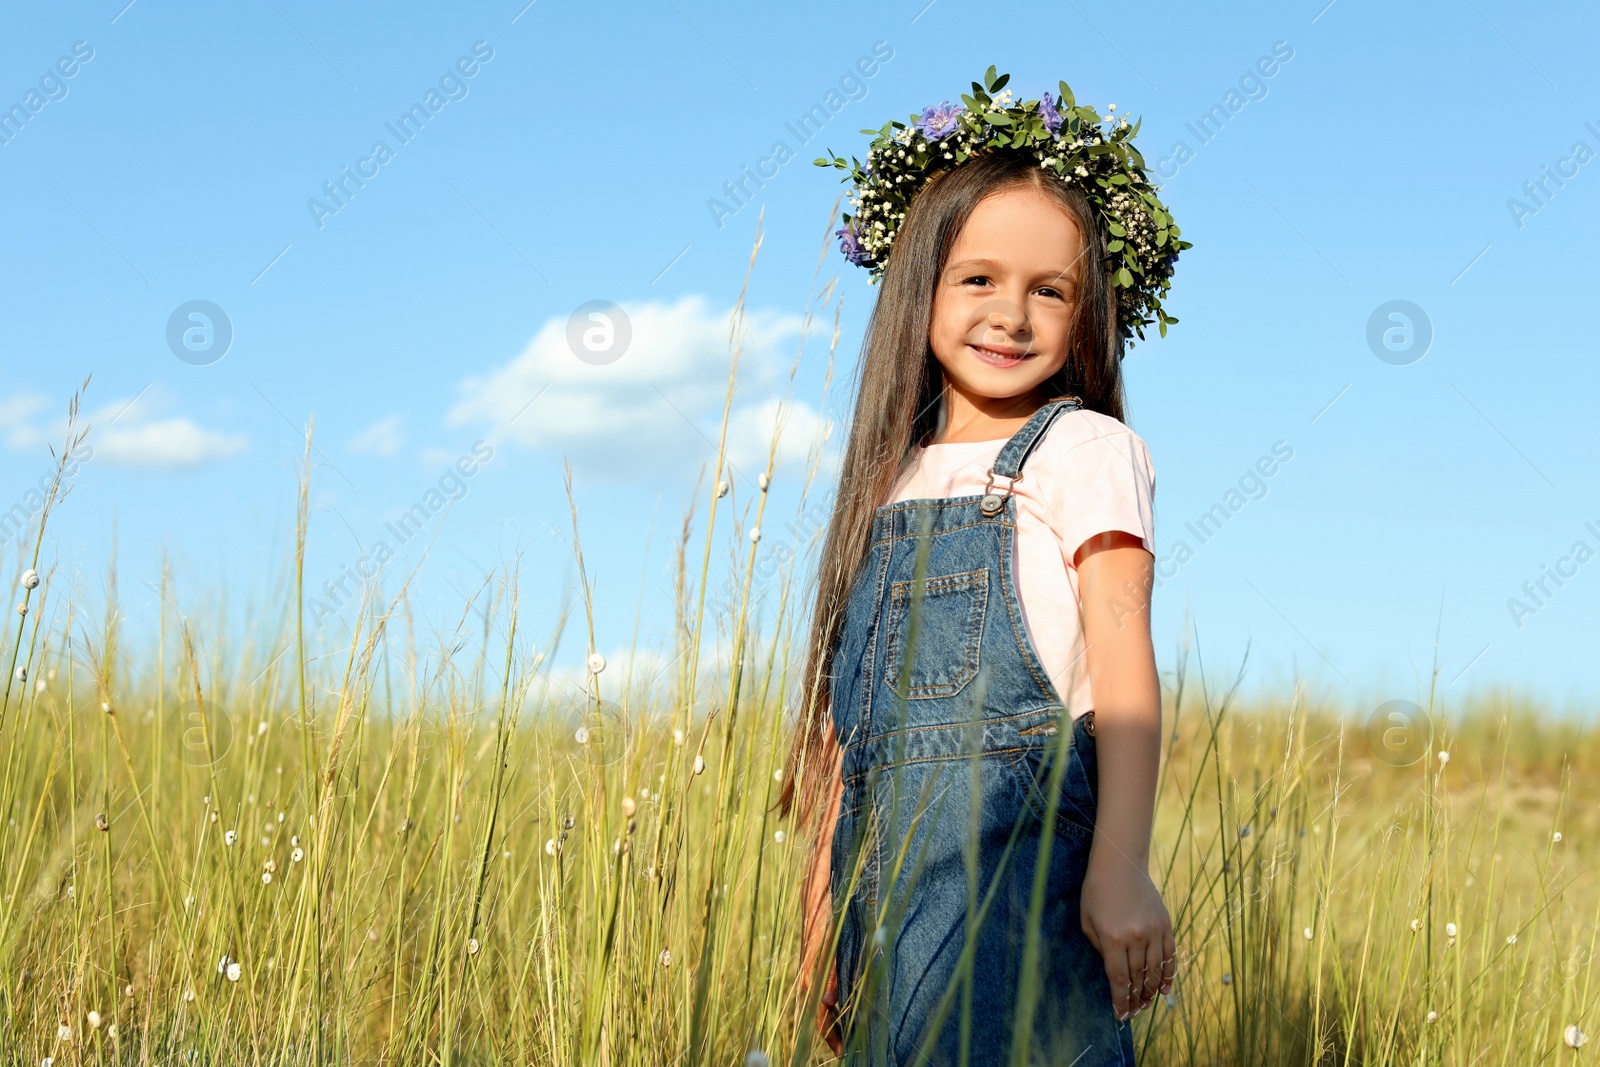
{"type": "Point", "coordinates": [975, 278]}
{"type": "Point", "coordinates": [1052, 292]}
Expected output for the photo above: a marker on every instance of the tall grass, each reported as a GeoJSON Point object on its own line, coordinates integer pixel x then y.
{"type": "Point", "coordinates": [230, 850]}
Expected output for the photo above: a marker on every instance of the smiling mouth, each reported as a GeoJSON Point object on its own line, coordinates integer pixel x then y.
{"type": "Point", "coordinates": [998, 357]}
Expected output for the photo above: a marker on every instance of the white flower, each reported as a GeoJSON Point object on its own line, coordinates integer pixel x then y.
{"type": "Point", "coordinates": [1111, 107]}
{"type": "Point", "coordinates": [230, 837]}
{"type": "Point", "coordinates": [1450, 929]}
{"type": "Point", "coordinates": [699, 764]}
{"type": "Point", "coordinates": [1573, 1036]}
{"type": "Point", "coordinates": [665, 957]}
{"type": "Point", "coordinates": [597, 663]}
{"type": "Point", "coordinates": [94, 1020]}
{"type": "Point", "coordinates": [30, 579]}
{"type": "Point", "coordinates": [582, 735]}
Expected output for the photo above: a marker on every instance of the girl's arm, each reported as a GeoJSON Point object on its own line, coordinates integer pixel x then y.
{"type": "Point", "coordinates": [1122, 911]}
{"type": "Point", "coordinates": [816, 893]}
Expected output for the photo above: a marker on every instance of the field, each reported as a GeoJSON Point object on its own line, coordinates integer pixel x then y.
{"type": "Point", "coordinates": [227, 852]}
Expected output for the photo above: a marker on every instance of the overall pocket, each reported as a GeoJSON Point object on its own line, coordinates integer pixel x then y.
{"type": "Point", "coordinates": [949, 635]}
{"type": "Point", "coordinates": [1078, 799]}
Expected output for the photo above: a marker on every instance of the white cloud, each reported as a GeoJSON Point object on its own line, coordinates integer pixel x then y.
{"type": "Point", "coordinates": [656, 410]}
{"type": "Point", "coordinates": [136, 431]}
{"type": "Point", "coordinates": [382, 438]}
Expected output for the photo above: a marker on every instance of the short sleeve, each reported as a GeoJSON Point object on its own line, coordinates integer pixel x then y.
{"type": "Point", "coordinates": [1100, 479]}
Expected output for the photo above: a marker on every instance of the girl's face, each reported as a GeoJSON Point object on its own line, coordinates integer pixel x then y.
{"type": "Point", "coordinates": [1003, 306]}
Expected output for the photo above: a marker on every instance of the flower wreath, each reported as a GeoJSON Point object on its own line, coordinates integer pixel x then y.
{"type": "Point", "coordinates": [1069, 139]}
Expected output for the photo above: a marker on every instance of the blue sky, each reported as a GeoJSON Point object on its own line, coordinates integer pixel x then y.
{"type": "Point", "coordinates": [1435, 153]}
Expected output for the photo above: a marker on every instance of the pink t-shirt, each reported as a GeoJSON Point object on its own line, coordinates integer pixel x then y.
{"type": "Point", "coordinates": [1087, 475]}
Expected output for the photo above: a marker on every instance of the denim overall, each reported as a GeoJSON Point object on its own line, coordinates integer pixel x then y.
{"type": "Point", "coordinates": [965, 753]}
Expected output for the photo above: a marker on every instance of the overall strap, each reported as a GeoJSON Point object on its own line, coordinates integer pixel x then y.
{"type": "Point", "coordinates": [1014, 453]}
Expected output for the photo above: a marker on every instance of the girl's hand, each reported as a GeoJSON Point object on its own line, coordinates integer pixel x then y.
{"type": "Point", "coordinates": [1125, 919]}
{"type": "Point", "coordinates": [828, 1015]}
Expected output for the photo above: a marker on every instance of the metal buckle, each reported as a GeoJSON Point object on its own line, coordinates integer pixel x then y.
{"type": "Point", "coordinates": [992, 502]}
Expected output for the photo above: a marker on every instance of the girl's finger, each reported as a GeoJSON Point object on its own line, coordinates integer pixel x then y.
{"type": "Point", "coordinates": [1153, 956]}
{"type": "Point", "coordinates": [1169, 971]}
{"type": "Point", "coordinates": [1117, 975]}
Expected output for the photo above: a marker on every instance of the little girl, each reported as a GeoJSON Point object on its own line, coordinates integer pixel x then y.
{"type": "Point", "coordinates": [980, 662]}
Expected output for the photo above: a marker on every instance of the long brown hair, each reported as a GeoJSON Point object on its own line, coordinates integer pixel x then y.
{"type": "Point", "coordinates": [897, 363]}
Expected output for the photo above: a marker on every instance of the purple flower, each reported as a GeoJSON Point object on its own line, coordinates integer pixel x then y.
{"type": "Point", "coordinates": [1052, 117]}
{"type": "Point", "coordinates": [937, 122]}
{"type": "Point", "coordinates": [850, 245]}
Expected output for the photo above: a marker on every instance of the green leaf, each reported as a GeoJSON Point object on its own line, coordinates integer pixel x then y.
{"type": "Point", "coordinates": [1123, 277]}
{"type": "Point", "coordinates": [972, 105]}
{"type": "Point", "coordinates": [1114, 246]}
{"type": "Point", "coordinates": [998, 119]}
{"type": "Point", "coordinates": [1067, 99]}
{"type": "Point", "coordinates": [988, 78]}
{"type": "Point", "coordinates": [1000, 83]}
{"type": "Point", "coordinates": [1119, 179]}
{"type": "Point", "coordinates": [1115, 229]}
